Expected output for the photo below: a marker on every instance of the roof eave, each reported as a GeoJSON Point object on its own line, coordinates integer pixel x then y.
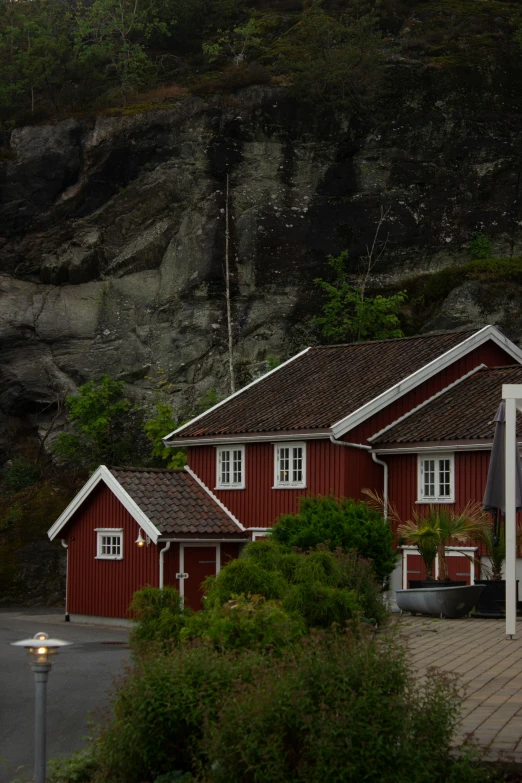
{"type": "Point", "coordinates": [167, 439]}
{"type": "Point", "coordinates": [252, 437]}
{"type": "Point", "coordinates": [416, 447]}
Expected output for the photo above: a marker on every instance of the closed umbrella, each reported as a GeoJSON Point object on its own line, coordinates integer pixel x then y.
{"type": "Point", "coordinates": [495, 494]}
{"type": "Point", "coordinates": [495, 501]}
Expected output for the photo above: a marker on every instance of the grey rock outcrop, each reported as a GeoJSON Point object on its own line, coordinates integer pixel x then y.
{"type": "Point", "coordinates": [112, 231]}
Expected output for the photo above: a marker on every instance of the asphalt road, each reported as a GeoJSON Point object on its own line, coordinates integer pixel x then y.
{"type": "Point", "coordinates": [78, 684]}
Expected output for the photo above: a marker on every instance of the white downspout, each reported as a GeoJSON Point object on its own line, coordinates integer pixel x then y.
{"type": "Point", "coordinates": [352, 445]}
{"type": "Point", "coordinates": [66, 546]}
{"type": "Point", "coordinates": [161, 555]}
{"type": "Point", "coordinates": [385, 487]}
{"type": "Point", "coordinates": [375, 459]}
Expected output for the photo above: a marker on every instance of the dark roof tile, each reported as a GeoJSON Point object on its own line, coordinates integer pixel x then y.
{"type": "Point", "coordinates": [322, 386]}
{"type": "Point", "coordinates": [463, 412]}
{"type": "Point", "coordinates": [175, 503]}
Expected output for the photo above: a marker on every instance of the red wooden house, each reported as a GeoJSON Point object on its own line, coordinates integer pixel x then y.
{"type": "Point", "coordinates": [410, 418]}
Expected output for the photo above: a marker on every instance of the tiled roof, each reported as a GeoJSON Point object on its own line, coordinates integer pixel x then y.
{"type": "Point", "coordinates": [175, 503]}
{"type": "Point", "coordinates": [464, 412]}
{"type": "Point", "coordinates": [322, 386]}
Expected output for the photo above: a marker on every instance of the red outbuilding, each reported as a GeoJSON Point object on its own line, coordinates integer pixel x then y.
{"type": "Point", "coordinates": [410, 418]}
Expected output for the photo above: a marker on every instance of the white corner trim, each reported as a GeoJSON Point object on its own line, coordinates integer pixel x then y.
{"type": "Point", "coordinates": [426, 402]}
{"type": "Point", "coordinates": [231, 396]}
{"type": "Point", "coordinates": [489, 332]}
{"type": "Point", "coordinates": [104, 474]}
{"type": "Point", "coordinates": [214, 498]}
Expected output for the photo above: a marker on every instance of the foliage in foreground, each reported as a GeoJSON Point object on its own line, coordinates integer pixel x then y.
{"type": "Point", "coordinates": [346, 523]}
{"type": "Point", "coordinates": [339, 706]}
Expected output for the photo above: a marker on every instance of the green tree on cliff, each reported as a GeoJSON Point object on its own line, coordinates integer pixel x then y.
{"type": "Point", "coordinates": [112, 34]}
{"type": "Point", "coordinates": [350, 314]}
{"type": "Point", "coordinates": [333, 59]}
{"type": "Point", "coordinates": [106, 427]}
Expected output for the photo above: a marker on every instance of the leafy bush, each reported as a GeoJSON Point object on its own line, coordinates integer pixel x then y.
{"type": "Point", "coordinates": [18, 473]}
{"type": "Point", "coordinates": [337, 709]}
{"type": "Point", "coordinates": [321, 586]}
{"type": "Point", "coordinates": [159, 616]}
{"type": "Point", "coordinates": [334, 707]}
{"type": "Point", "coordinates": [80, 767]}
{"type": "Point", "coordinates": [321, 605]}
{"type": "Point", "coordinates": [246, 623]}
{"type": "Point", "coordinates": [480, 246]}
{"type": "Point", "coordinates": [163, 707]}
{"type": "Point", "coordinates": [345, 523]}
{"type": "Point", "coordinates": [245, 576]}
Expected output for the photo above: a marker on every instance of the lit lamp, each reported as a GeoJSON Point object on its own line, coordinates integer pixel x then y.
{"type": "Point", "coordinates": [40, 649]}
{"type": "Point", "coordinates": [140, 541]}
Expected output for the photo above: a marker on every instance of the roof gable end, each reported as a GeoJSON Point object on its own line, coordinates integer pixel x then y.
{"type": "Point", "coordinates": [443, 361]}
{"type": "Point", "coordinates": [99, 475]}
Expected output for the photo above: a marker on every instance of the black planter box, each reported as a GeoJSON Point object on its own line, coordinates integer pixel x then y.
{"type": "Point", "coordinates": [415, 584]}
{"type": "Point", "coordinates": [493, 598]}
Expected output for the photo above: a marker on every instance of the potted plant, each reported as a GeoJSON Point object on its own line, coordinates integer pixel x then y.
{"type": "Point", "coordinates": [493, 598]}
{"type": "Point", "coordinates": [431, 531]}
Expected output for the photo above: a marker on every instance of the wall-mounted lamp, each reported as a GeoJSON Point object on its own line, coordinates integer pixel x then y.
{"type": "Point", "coordinates": [140, 541]}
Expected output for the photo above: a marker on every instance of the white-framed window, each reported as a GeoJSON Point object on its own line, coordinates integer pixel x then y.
{"type": "Point", "coordinates": [230, 465]}
{"type": "Point", "coordinates": [436, 478]}
{"type": "Point", "coordinates": [109, 543]}
{"type": "Point", "coordinates": [289, 465]}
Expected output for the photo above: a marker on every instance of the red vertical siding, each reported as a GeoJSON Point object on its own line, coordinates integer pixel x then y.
{"type": "Point", "coordinates": [104, 588]}
{"type": "Point", "coordinates": [259, 505]}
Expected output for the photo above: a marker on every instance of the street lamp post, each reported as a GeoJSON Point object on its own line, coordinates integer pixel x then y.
{"type": "Point", "coordinates": [40, 649]}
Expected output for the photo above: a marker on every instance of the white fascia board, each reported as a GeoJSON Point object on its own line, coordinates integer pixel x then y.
{"type": "Point", "coordinates": [372, 407]}
{"type": "Point", "coordinates": [214, 498]}
{"type": "Point", "coordinates": [104, 474]}
{"type": "Point", "coordinates": [433, 449]}
{"type": "Point", "coordinates": [275, 438]}
{"type": "Point", "coordinates": [231, 397]}
{"type": "Point", "coordinates": [426, 402]}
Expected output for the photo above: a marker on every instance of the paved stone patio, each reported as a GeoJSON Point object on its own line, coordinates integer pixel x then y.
{"type": "Point", "coordinates": [489, 665]}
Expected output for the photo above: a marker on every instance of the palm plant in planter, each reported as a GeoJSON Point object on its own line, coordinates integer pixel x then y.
{"type": "Point", "coordinates": [433, 529]}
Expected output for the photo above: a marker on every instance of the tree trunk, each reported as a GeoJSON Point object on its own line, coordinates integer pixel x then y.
{"type": "Point", "coordinates": [227, 295]}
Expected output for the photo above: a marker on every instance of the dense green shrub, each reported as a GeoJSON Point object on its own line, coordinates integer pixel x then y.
{"type": "Point", "coordinates": [245, 576]}
{"type": "Point", "coordinates": [246, 623]}
{"type": "Point", "coordinates": [336, 707]}
{"type": "Point", "coordinates": [344, 523]}
{"type": "Point", "coordinates": [159, 616]}
{"type": "Point", "coordinates": [321, 586]}
{"type": "Point", "coordinates": [19, 473]}
{"type": "Point", "coordinates": [163, 707]}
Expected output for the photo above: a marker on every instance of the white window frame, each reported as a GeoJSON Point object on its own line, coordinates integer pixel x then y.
{"type": "Point", "coordinates": [232, 484]}
{"type": "Point", "coordinates": [278, 484]}
{"type": "Point", "coordinates": [437, 497]}
{"type": "Point", "coordinates": [101, 532]}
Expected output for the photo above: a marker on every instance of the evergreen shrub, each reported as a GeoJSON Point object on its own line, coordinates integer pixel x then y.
{"type": "Point", "coordinates": [246, 623]}
{"type": "Point", "coordinates": [345, 524]}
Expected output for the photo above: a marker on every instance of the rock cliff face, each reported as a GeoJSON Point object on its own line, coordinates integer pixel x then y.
{"type": "Point", "coordinates": [112, 229]}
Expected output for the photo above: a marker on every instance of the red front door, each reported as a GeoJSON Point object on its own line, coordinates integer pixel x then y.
{"type": "Point", "coordinates": [198, 563]}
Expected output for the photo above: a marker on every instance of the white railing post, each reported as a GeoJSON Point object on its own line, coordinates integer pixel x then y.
{"type": "Point", "coordinates": [511, 542]}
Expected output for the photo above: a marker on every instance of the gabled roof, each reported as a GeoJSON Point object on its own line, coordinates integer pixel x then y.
{"type": "Point", "coordinates": [165, 503]}
{"type": "Point", "coordinates": [332, 389]}
{"type": "Point", "coordinates": [463, 412]}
